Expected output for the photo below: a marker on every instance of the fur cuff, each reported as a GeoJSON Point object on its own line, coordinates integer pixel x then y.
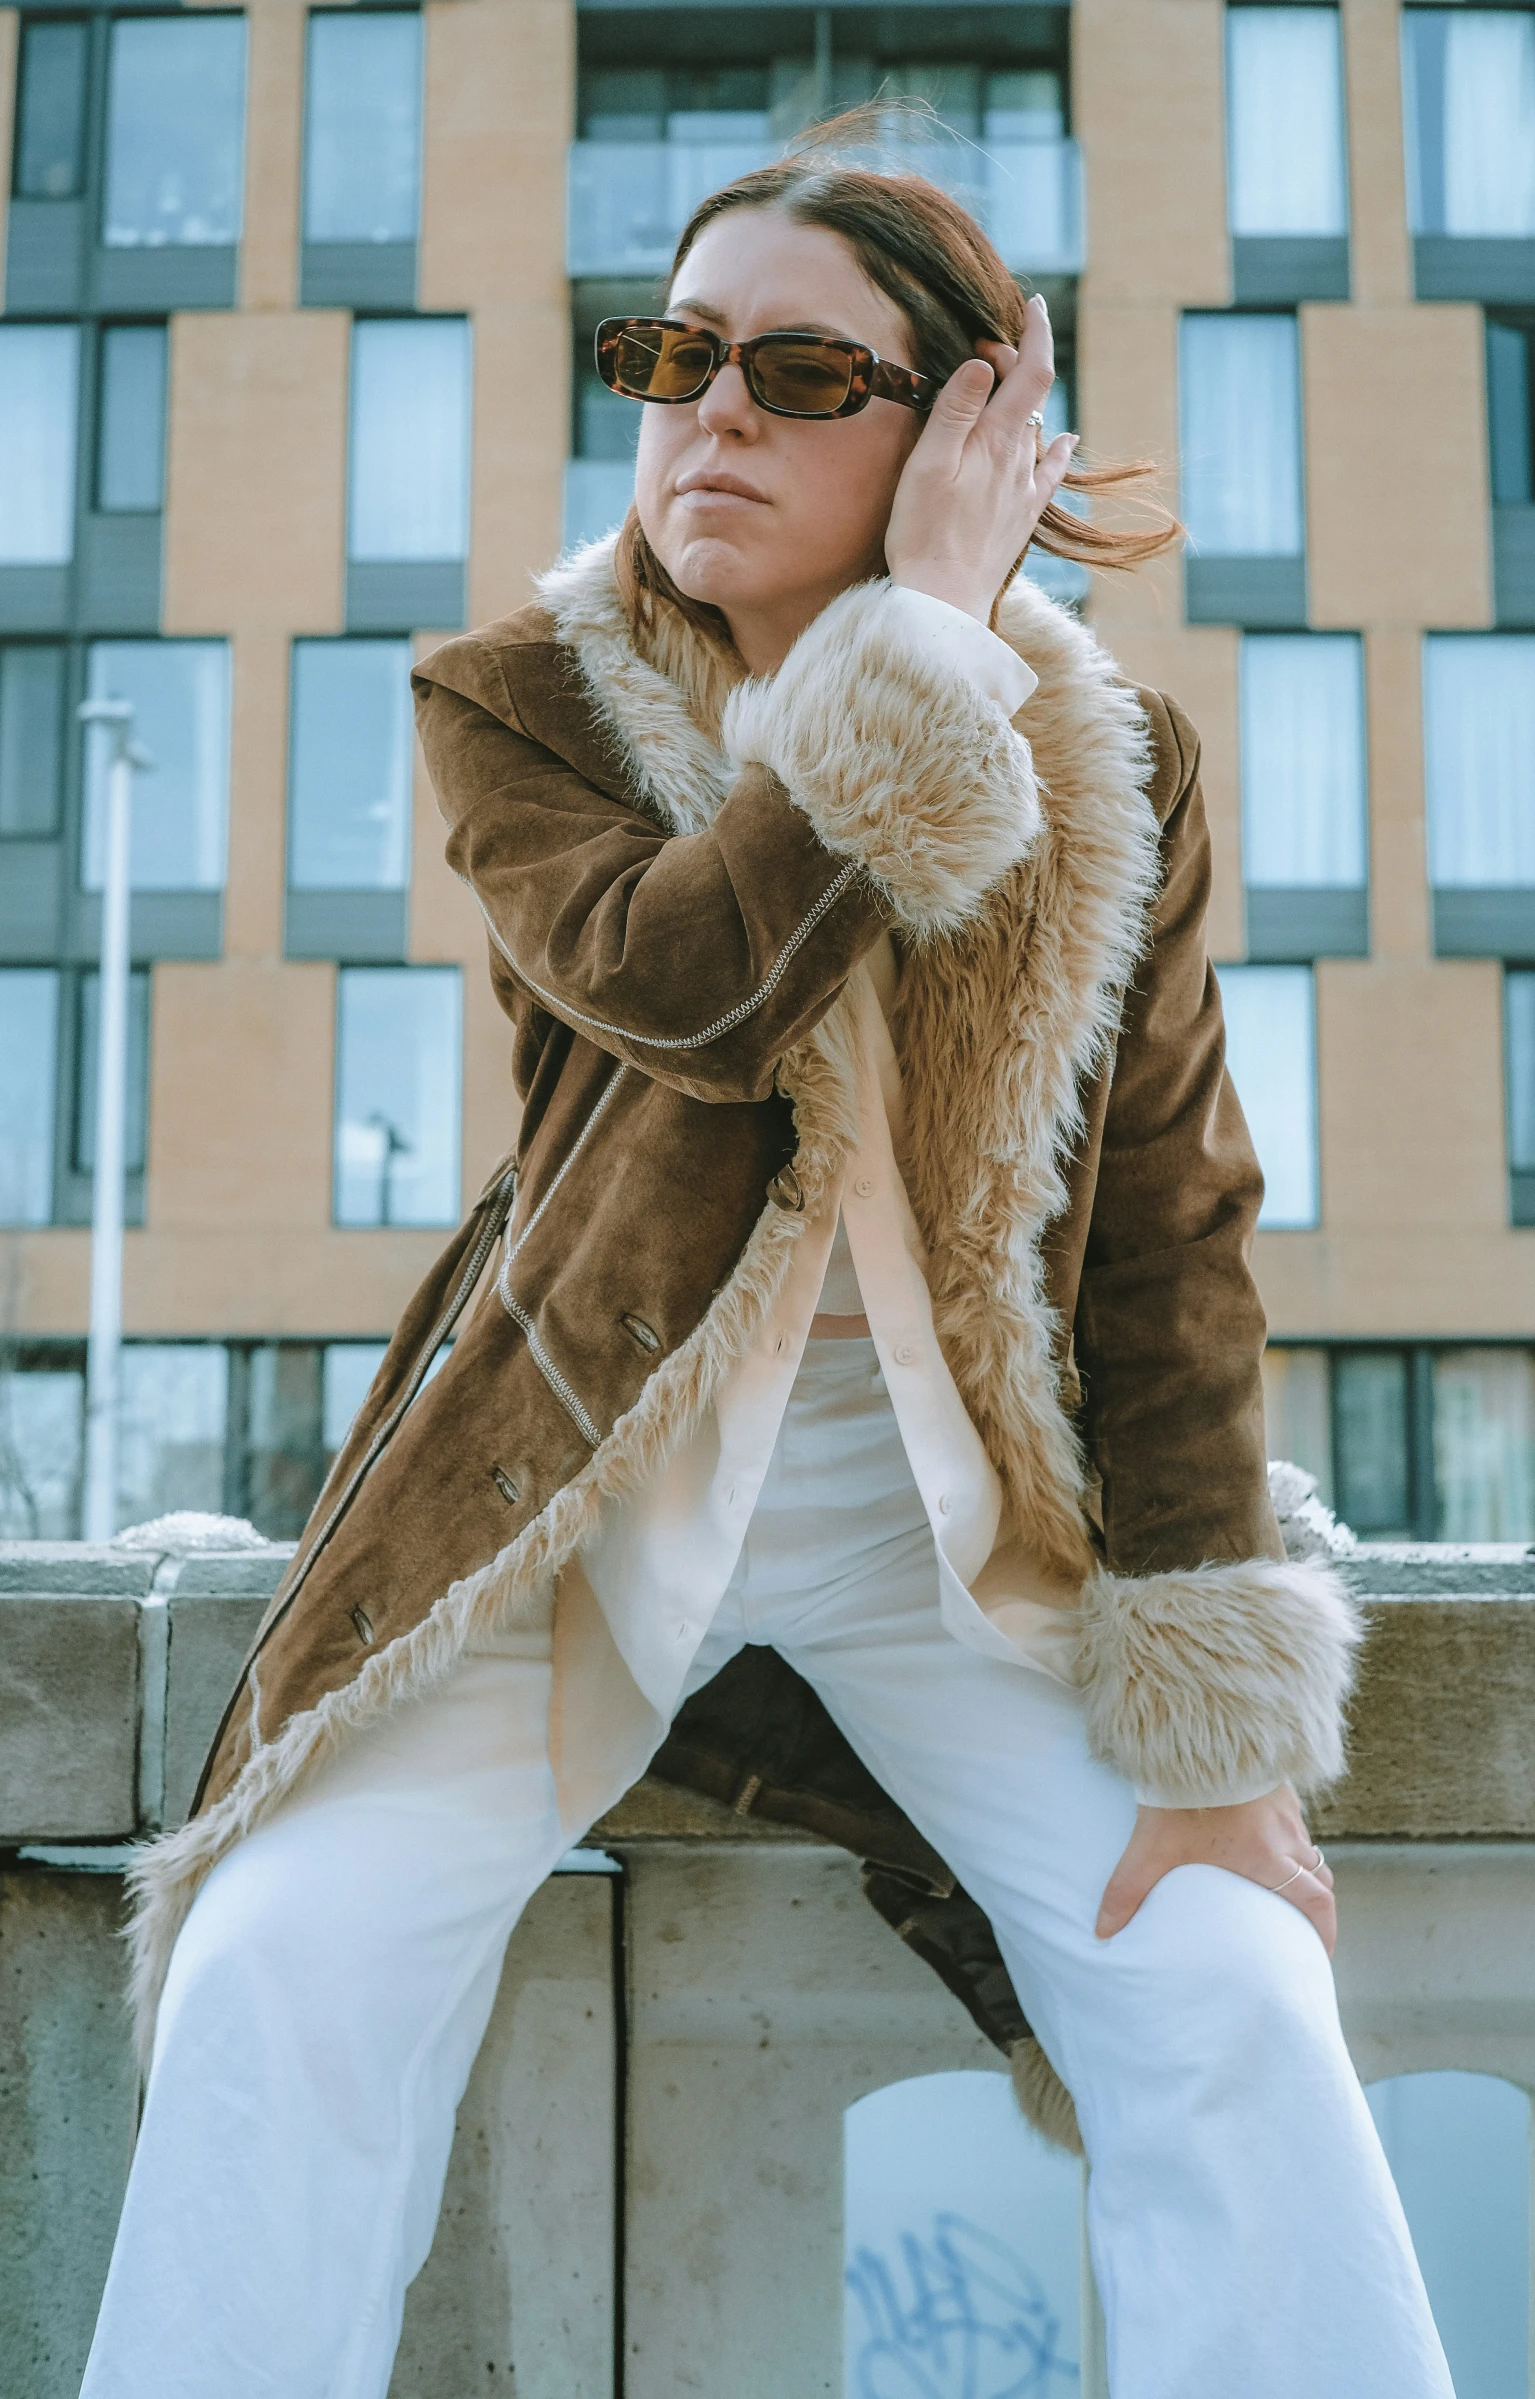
{"type": "Point", "coordinates": [1043, 2099]}
{"type": "Point", "coordinates": [897, 761]}
{"type": "Point", "coordinates": [1220, 1679]}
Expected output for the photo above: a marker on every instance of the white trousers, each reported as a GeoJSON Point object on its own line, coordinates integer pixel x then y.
{"type": "Point", "coordinates": [335, 1976]}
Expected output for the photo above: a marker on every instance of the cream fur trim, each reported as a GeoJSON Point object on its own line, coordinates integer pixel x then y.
{"type": "Point", "coordinates": [1199, 1683]}
{"type": "Point", "coordinates": [1043, 2098]}
{"type": "Point", "coordinates": [897, 761]}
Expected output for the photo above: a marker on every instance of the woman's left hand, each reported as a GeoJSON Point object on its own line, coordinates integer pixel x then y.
{"type": "Point", "coordinates": [977, 482]}
{"type": "Point", "coordinates": [1265, 1839]}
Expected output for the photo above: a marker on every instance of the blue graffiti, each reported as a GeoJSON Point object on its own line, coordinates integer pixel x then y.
{"type": "Point", "coordinates": [973, 2323]}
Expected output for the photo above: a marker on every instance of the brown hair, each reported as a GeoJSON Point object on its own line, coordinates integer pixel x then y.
{"type": "Point", "coordinates": [928, 255]}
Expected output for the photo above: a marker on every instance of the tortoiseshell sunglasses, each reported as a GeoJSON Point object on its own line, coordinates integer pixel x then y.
{"type": "Point", "coordinates": [788, 374]}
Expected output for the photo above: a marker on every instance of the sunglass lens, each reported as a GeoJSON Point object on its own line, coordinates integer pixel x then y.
{"type": "Point", "coordinates": [803, 378]}
{"type": "Point", "coordinates": [661, 362]}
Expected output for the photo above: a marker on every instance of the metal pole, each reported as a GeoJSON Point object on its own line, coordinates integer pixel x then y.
{"type": "Point", "coordinates": [106, 1323]}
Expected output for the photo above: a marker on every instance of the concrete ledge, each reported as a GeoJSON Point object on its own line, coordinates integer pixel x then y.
{"type": "Point", "coordinates": [94, 1748]}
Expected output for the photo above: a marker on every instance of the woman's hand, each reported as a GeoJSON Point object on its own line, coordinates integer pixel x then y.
{"type": "Point", "coordinates": [972, 491]}
{"type": "Point", "coordinates": [1265, 1839]}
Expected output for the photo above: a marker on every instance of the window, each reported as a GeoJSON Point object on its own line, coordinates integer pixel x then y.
{"type": "Point", "coordinates": [408, 494]}
{"type": "Point", "coordinates": [1469, 81]}
{"type": "Point", "coordinates": [1484, 1444]}
{"type": "Point", "coordinates": [1285, 157]}
{"type": "Point", "coordinates": [348, 1372]}
{"type": "Point", "coordinates": [1271, 1050]}
{"type": "Point", "coordinates": [29, 1013]}
{"type": "Point", "coordinates": [175, 132]}
{"type": "Point", "coordinates": [130, 439]}
{"type": "Point", "coordinates": [1372, 1433]}
{"type": "Point", "coordinates": [1411, 1442]}
{"type": "Point", "coordinates": [398, 1071]}
{"type": "Point", "coordinates": [86, 1070]}
{"type": "Point", "coordinates": [39, 390]}
{"type": "Point", "coordinates": [1297, 1407]}
{"type": "Point", "coordinates": [1303, 794]}
{"type": "Point", "coordinates": [180, 694]}
{"type": "Point", "coordinates": [1519, 1070]}
{"type": "Point", "coordinates": [31, 737]}
{"type": "Point", "coordinates": [1511, 426]}
{"type": "Point", "coordinates": [1239, 407]}
{"type": "Point", "coordinates": [349, 783]}
{"type": "Point", "coordinates": [42, 1443]}
{"type": "Point", "coordinates": [362, 136]}
{"type": "Point", "coordinates": [1479, 772]}
{"type": "Point", "coordinates": [172, 1419]}
{"type": "Point", "coordinates": [50, 120]}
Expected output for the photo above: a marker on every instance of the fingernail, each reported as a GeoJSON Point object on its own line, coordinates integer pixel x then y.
{"type": "Point", "coordinates": [1076, 440]}
{"type": "Point", "coordinates": [1043, 302]}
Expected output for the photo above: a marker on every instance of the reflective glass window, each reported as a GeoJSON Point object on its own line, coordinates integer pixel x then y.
{"type": "Point", "coordinates": [1519, 1030]}
{"type": "Point", "coordinates": [348, 1372]}
{"type": "Point", "coordinates": [349, 779]}
{"type": "Point", "coordinates": [172, 1417]}
{"type": "Point", "coordinates": [136, 1112]}
{"type": "Point", "coordinates": [39, 399]}
{"type": "Point", "coordinates": [1371, 1427]}
{"type": "Point", "coordinates": [1240, 428]}
{"type": "Point", "coordinates": [31, 736]}
{"type": "Point", "coordinates": [1510, 414]}
{"type": "Point", "coordinates": [1271, 1051]}
{"type": "Point", "coordinates": [1303, 760]}
{"type": "Point", "coordinates": [29, 1020]}
{"type": "Point", "coordinates": [180, 695]}
{"type": "Point", "coordinates": [50, 117]}
{"type": "Point", "coordinates": [1297, 1402]}
{"type": "Point", "coordinates": [175, 131]}
{"type": "Point", "coordinates": [1469, 91]}
{"type": "Point", "coordinates": [42, 1446]}
{"type": "Point", "coordinates": [408, 495]}
{"type": "Point", "coordinates": [130, 453]}
{"type": "Point", "coordinates": [1285, 160]}
{"type": "Point", "coordinates": [362, 135]}
{"type": "Point", "coordinates": [398, 1075]}
{"type": "Point", "coordinates": [1479, 758]}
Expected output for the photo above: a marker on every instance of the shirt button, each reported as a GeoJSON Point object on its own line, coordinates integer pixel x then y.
{"type": "Point", "coordinates": [863, 1186]}
{"type": "Point", "coordinates": [945, 1504]}
{"type": "Point", "coordinates": [904, 1353]}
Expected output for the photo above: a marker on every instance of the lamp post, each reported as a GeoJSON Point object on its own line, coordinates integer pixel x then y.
{"type": "Point", "coordinates": [106, 1325]}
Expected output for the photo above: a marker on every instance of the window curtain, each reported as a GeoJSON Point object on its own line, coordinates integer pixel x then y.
{"type": "Point", "coordinates": [1286, 170]}
{"type": "Point", "coordinates": [39, 387]}
{"type": "Point", "coordinates": [180, 696]}
{"type": "Point", "coordinates": [1303, 760]}
{"type": "Point", "coordinates": [1484, 1444]}
{"type": "Point", "coordinates": [1489, 122]}
{"type": "Point", "coordinates": [1239, 406]}
{"type": "Point", "coordinates": [408, 494]}
{"type": "Point", "coordinates": [1479, 758]}
{"type": "Point", "coordinates": [1271, 1051]}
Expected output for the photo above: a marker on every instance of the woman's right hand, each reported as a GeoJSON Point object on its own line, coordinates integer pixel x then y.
{"type": "Point", "coordinates": [972, 491]}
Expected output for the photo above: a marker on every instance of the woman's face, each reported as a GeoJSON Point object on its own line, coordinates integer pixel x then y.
{"type": "Point", "coordinates": [768, 517]}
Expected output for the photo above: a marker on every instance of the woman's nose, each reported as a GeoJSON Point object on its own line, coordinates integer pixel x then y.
{"type": "Point", "coordinates": [727, 406]}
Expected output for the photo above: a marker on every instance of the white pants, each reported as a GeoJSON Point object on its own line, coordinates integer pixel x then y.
{"type": "Point", "coordinates": [334, 1979]}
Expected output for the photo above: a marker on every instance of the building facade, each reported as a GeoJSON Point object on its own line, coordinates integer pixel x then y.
{"type": "Point", "coordinates": [294, 378]}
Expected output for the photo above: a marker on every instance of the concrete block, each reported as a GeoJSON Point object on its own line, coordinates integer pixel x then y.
{"type": "Point", "coordinates": [1440, 1743]}
{"type": "Point", "coordinates": [76, 1567]}
{"type": "Point", "coordinates": [1436, 1959]}
{"type": "Point", "coordinates": [67, 2104]}
{"type": "Point", "coordinates": [518, 2293]}
{"type": "Point", "coordinates": [210, 1631]}
{"type": "Point", "coordinates": [233, 1574]}
{"type": "Point", "coordinates": [69, 1716]}
{"type": "Point", "coordinates": [765, 1997]}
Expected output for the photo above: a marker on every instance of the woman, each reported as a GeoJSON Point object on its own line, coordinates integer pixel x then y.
{"type": "Point", "coordinates": [872, 1316]}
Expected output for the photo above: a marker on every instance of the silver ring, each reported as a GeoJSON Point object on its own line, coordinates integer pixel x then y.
{"type": "Point", "coordinates": [1036, 418]}
{"type": "Point", "coordinates": [1319, 1860]}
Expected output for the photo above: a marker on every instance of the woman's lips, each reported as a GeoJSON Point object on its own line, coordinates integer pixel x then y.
{"type": "Point", "coordinates": [718, 488]}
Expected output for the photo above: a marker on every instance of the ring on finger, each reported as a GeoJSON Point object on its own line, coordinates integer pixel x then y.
{"type": "Point", "coordinates": [1319, 1860]}
{"type": "Point", "coordinates": [1036, 418]}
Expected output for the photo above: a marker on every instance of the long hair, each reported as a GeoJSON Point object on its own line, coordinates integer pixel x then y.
{"type": "Point", "coordinates": [928, 255]}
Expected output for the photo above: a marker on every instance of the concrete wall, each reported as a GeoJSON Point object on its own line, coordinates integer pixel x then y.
{"type": "Point", "coordinates": [651, 2143]}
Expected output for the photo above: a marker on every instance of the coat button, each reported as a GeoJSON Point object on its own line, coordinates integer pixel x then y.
{"type": "Point", "coordinates": [863, 1186]}
{"type": "Point", "coordinates": [784, 1190]}
{"type": "Point", "coordinates": [905, 1355]}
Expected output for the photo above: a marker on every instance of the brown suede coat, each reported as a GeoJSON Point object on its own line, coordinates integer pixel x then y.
{"type": "Point", "coordinates": [672, 913]}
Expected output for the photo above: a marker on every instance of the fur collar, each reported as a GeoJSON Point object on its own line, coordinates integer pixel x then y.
{"type": "Point", "coordinates": [999, 1028]}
